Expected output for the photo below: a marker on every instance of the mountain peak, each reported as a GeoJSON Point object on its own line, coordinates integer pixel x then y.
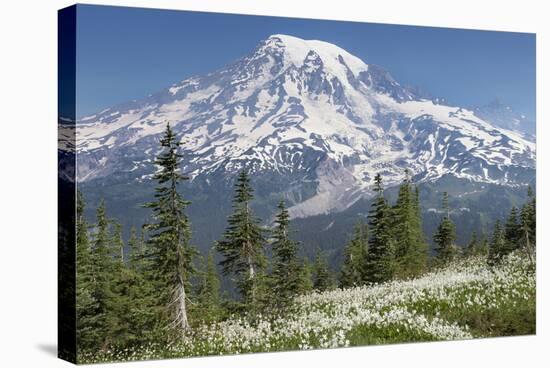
{"type": "Point", "coordinates": [285, 38]}
{"type": "Point", "coordinates": [296, 51]}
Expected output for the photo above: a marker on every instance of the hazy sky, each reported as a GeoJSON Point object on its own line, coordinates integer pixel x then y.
{"type": "Point", "coordinates": [128, 53]}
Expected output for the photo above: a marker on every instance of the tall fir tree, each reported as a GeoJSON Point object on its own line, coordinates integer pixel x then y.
{"type": "Point", "coordinates": [422, 246]}
{"type": "Point", "coordinates": [286, 269]}
{"type": "Point", "coordinates": [306, 278]}
{"type": "Point", "coordinates": [380, 261]}
{"type": "Point", "coordinates": [136, 254]}
{"type": "Point", "coordinates": [528, 232]}
{"type": "Point", "coordinates": [140, 298]}
{"type": "Point", "coordinates": [117, 243]}
{"type": "Point", "coordinates": [321, 273]}
{"type": "Point", "coordinates": [352, 272]}
{"type": "Point", "coordinates": [243, 245]}
{"type": "Point", "coordinates": [118, 324]}
{"type": "Point", "coordinates": [131, 320]}
{"type": "Point", "coordinates": [209, 291]}
{"type": "Point", "coordinates": [103, 266]}
{"type": "Point", "coordinates": [497, 248]}
{"type": "Point", "coordinates": [119, 321]}
{"type": "Point", "coordinates": [169, 251]}
{"type": "Point", "coordinates": [410, 247]}
{"type": "Point", "coordinates": [445, 235]}
{"type": "Point", "coordinates": [512, 231]}
{"type": "Point", "coordinates": [86, 305]}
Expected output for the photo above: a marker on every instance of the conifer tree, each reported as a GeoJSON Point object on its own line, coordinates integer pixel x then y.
{"type": "Point", "coordinates": [119, 319]}
{"type": "Point", "coordinates": [422, 247]}
{"type": "Point", "coordinates": [286, 269]}
{"type": "Point", "coordinates": [497, 248]}
{"type": "Point", "coordinates": [355, 255]}
{"type": "Point", "coordinates": [117, 244]}
{"type": "Point", "coordinates": [512, 231]}
{"type": "Point", "coordinates": [445, 235]}
{"type": "Point", "coordinates": [83, 250]}
{"type": "Point", "coordinates": [103, 266]}
{"type": "Point", "coordinates": [410, 247]}
{"type": "Point", "coordinates": [321, 273]}
{"type": "Point", "coordinates": [527, 238]}
{"type": "Point", "coordinates": [131, 319]}
{"type": "Point", "coordinates": [263, 293]}
{"type": "Point", "coordinates": [483, 246]}
{"type": "Point", "coordinates": [209, 291]}
{"type": "Point", "coordinates": [136, 256]}
{"type": "Point", "coordinates": [380, 261]}
{"type": "Point", "coordinates": [417, 203]}
{"type": "Point", "coordinates": [86, 305]}
{"type": "Point", "coordinates": [306, 281]}
{"type": "Point", "coordinates": [473, 246]}
{"type": "Point", "coordinates": [117, 323]}
{"type": "Point", "coordinates": [140, 300]}
{"type": "Point", "coordinates": [169, 251]}
{"type": "Point", "coordinates": [243, 245]}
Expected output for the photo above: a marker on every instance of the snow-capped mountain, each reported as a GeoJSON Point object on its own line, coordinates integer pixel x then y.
{"type": "Point", "coordinates": [504, 116]}
{"type": "Point", "coordinates": [317, 122]}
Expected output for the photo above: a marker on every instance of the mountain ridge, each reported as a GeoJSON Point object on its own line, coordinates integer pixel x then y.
{"type": "Point", "coordinates": [308, 111]}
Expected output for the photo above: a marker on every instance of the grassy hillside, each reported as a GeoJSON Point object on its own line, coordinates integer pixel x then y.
{"type": "Point", "coordinates": [464, 300]}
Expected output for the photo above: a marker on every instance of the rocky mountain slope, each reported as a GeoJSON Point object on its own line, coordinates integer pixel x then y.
{"type": "Point", "coordinates": [309, 112]}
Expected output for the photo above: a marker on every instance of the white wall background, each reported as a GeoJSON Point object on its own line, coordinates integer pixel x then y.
{"type": "Point", "coordinates": [28, 215]}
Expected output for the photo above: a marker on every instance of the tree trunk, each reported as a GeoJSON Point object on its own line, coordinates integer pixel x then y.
{"type": "Point", "coordinates": [251, 274]}
{"type": "Point", "coordinates": [180, 295]}
{"type": "Point", "coordinates": [251, 271]}
{"type": "Point", "coordinates": [181, 307]}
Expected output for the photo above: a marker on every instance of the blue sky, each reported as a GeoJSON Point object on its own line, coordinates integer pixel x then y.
{"type": "Point", "coordinates": [127, 53]}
